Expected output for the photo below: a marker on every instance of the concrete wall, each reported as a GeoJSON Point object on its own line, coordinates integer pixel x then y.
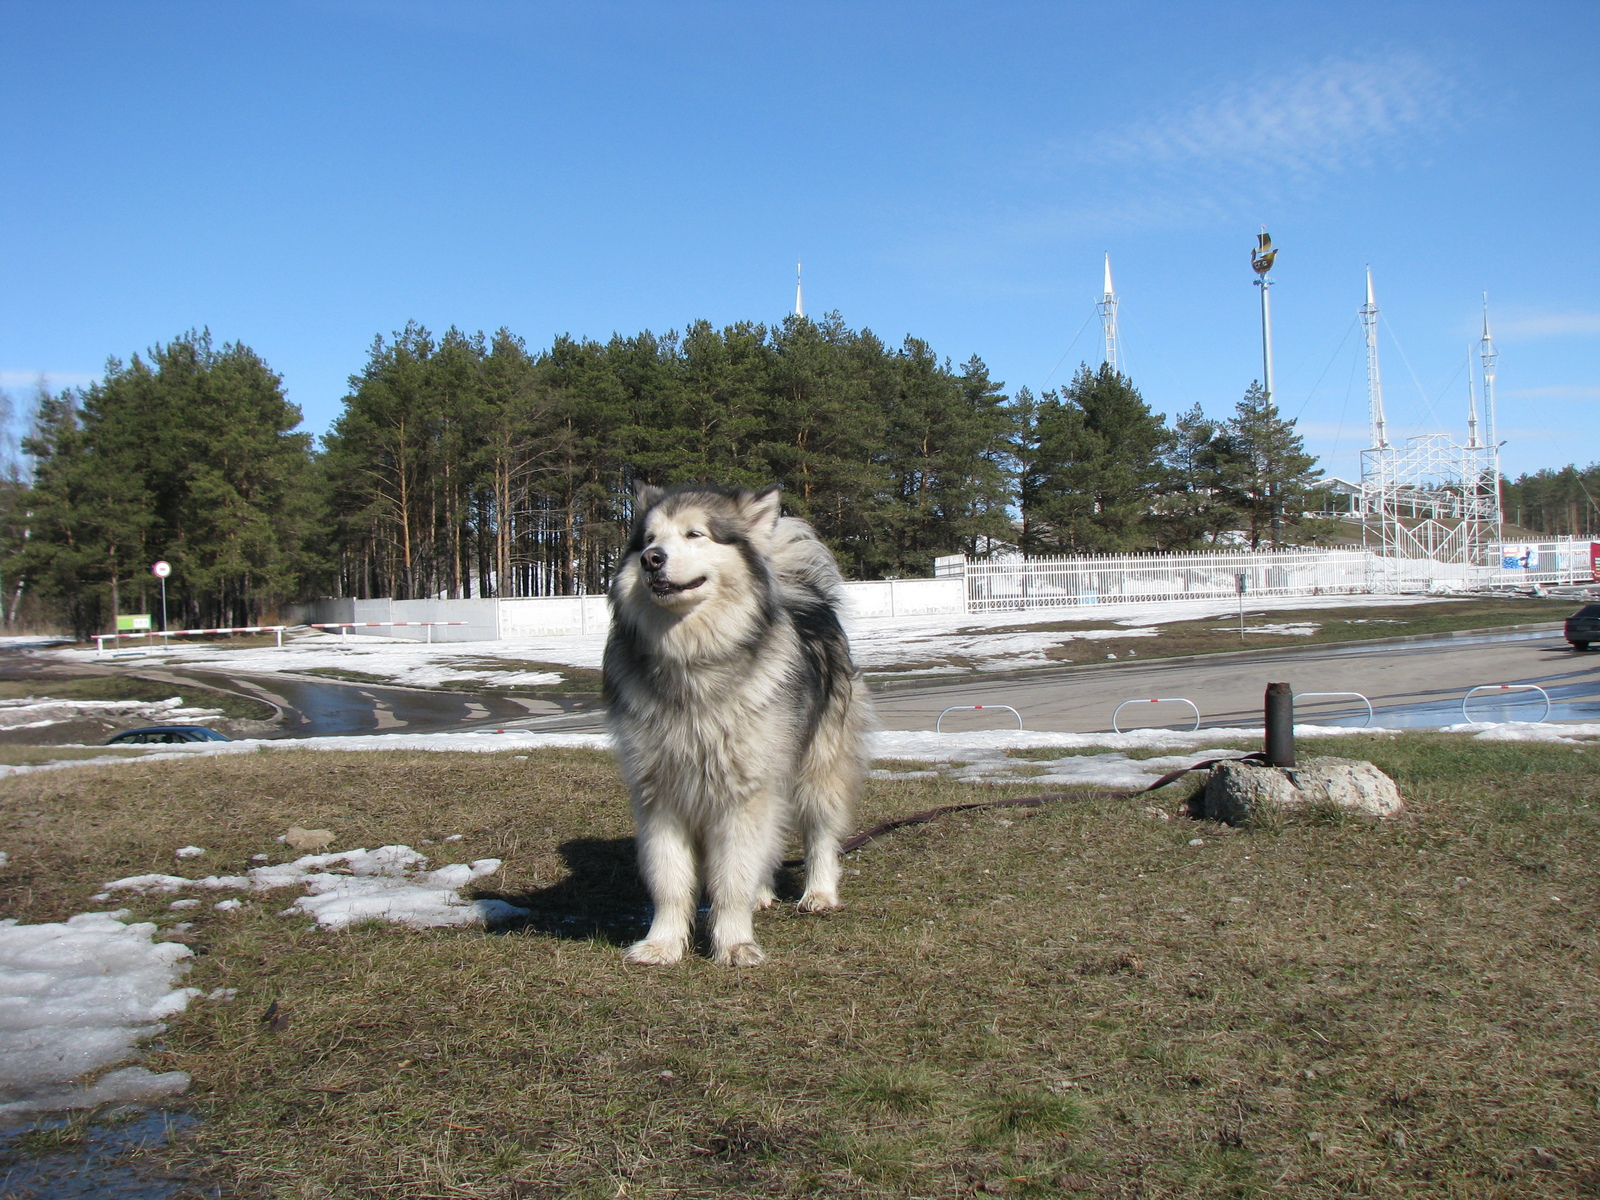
{"type": "Point", "coordinates": [567, 616]}
{"type": "Point", "coordinates": [553, 616]}
{"type": "Point", "coordinates": [906, 598]}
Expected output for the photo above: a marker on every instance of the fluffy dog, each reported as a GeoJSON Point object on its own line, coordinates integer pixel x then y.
{"type": "Point", "coordinates": [735, 708]}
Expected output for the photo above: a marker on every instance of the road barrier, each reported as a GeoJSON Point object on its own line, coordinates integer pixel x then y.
{"type": "Point", "coordinates": [1115, 728]}
{"type": "Point", "coordinates": [1506, 687]}
{"type": "Point", "coordinates": [1302, 695]}
{"type": "Point", "coordinates": [100, 639]}
{"type": "Point", "coordinates": [344, 627]}
{"type": "Point", "coordinates": [938, 726]}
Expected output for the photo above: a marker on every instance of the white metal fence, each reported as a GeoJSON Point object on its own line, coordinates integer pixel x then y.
{"type": "Point", "coordinates": [1024, 583]}
{"type": "Point", "coordinates": [1130, 578]}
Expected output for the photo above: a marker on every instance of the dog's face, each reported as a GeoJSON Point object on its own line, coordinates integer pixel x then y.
{"type": "Point", "coordinates": [693, 545]}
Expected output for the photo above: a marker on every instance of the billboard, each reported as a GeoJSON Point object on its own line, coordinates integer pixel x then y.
{"type": "Point", "coordinates": [137, 623]}
{"type": "Point", "coordinates": [1519, 557]}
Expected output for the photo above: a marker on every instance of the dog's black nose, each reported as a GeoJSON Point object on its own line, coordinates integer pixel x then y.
{"type": "Point", "coordinates": [654, 558]}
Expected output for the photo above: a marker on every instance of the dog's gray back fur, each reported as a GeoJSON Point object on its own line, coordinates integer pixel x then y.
{"type": "Point", "coordinates": [739, 720]}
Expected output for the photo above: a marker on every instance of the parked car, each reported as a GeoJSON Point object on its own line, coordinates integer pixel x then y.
{"type": "Point", "coordinates": [1583, 626]}
{"type": "Point", "coordinates": [167, 735]}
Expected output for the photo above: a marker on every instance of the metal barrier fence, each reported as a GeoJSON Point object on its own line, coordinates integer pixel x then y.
{"type": "Point", "coordinates": [1116, 728]}
{"type": "Point", "coordinates": [1506, 687]}
{"type": "Point", "coordinates": [938, 726]}
{"type": "Point", "coordinates": [1326, 695]}
{"type": "Point", "coordinates": [100, 639]}
{"type": "Point", "coordinates": [344, 627]}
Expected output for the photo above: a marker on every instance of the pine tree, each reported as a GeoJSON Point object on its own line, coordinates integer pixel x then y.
{"type": "Point", "coordinates": [1096, 472]}
{"type": "Point", "coordinates": [1264, 472]}
{"type": "Point", "coordinates": [1195, 510]}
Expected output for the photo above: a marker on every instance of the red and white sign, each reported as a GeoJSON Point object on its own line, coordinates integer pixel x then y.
{"type": "Point", "coordinates": [161, 569]}
{"type": "Point", "coordinates": [1594, 560]}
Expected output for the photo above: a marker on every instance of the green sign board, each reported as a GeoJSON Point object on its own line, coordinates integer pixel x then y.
{"type": "Point", "coordinates": [138, 623]}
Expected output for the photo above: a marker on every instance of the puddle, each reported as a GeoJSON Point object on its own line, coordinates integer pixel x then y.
{"type": "Point", "coordinates": [99, 1158]}
{"type": "Point", "coordinates": [1575, 703]}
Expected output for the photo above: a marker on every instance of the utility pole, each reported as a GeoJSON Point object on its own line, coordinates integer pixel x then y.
{"type": "Point", "coordinates": [1261, 260]}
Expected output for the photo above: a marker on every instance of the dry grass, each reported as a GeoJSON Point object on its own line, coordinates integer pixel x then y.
{"type": "Point", "coordinates": [1078, 1002]}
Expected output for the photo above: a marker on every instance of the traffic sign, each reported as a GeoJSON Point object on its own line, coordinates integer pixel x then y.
{"type": "Point", "coordinates": [161, 569]}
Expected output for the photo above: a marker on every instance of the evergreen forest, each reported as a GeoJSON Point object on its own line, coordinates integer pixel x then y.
{"type": "Point", "coordinates": [471, 465]}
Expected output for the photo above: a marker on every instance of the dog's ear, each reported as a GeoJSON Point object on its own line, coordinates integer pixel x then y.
{"type": "Point", "coordinates": [762, 509]}
{"type": "Point", "coordinates": [644, 495]}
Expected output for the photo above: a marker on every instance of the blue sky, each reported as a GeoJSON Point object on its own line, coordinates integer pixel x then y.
{"type": "Point", "coordinates": [303, 176]}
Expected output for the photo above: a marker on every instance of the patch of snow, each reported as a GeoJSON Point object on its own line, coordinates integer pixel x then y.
{"type": "Point", "coordinates": [386, 884]}
{"type": "Point", "coordinates": [188, 852]}
{"type": "Point", "coordinates": [77, 997]}
{"type": "Point", "coordinates": [34, 713]}
{"type": "Point", "coordinates": [4, 858]}
{"type": "Point", "coordinates": [1524, 731]}
{"type": "Point", "coordinates": [228, 905]}
{"type": "Point", "coordinates": [991, 640]}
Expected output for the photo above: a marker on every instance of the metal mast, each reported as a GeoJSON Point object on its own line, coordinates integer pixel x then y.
{"type": "Point", "coordinates": [1487, 356]}
{"type": "Point", "coordinates": [1261, 260]}
{"type": "Point", "coordinates": [799, 308]}
{"type": "Point", "coordinates": [1433, 504]}
{"type": "Point", "coordinates": [1107, 304]}
{"type": "Point", "coordinates": [1377, 426]}
{"type": "Point", "coordinates": [1472, 407]}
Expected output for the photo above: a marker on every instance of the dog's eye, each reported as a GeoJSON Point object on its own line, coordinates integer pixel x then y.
{"type": "Point", "coordinates": [694, 533]}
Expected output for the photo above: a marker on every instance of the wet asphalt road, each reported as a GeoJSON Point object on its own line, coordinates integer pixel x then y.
{"type": "Point", "coordinates": [1410, 684]}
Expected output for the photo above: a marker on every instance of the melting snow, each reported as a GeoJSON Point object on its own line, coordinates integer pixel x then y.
{"type": "Point", "coordinates": [386, 884]}
{"type": "Point", "coordinates": [33, 713]}
{"type": "Point", "coordinates": [1524, 731]}
{"type": "Point", "coordinates": [76, 997]}
{"type": "Point", "coordinates": [990, 641]}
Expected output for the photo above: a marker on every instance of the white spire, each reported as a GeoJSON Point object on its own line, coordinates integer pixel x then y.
{"type": "Point", "coordinates": [799, 308]}
{"type": "Point", "coordinates": [1487, 356]}
{"type": "Point", "coordinates": [1472, 406]}
{"type": "Point", "coordinates": [1107, 304]}
{"type": "Point", "coordinates": [1377, 425]}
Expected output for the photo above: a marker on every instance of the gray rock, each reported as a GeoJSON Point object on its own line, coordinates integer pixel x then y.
{"type": "Point", "coordinates": [1237, 791]}
{"type": "Point", "coordinates": [1351, 783]}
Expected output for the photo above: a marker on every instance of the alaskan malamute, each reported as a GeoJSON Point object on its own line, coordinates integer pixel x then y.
{"type": "Point", "coordinates": [736, 710]}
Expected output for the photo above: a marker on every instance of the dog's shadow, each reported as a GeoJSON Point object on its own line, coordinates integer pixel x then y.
{"type": "Point", "coordinates": [602, 896]}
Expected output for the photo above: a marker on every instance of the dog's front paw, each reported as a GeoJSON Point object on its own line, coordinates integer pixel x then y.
{"type": "Point", "coordinates": [654, 954]}
{"type": "Point", "coordinates": [819, 901]}
{"type": "Point", "coordinates": [765, 896]}
{"type": "Point", "coordinates": [741, 954]}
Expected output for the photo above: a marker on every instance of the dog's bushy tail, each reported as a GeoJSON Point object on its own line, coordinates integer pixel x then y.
{"type": "Point", "coordinates": [800, 559]}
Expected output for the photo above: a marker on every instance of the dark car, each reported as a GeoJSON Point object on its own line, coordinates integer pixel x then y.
{"type": "Point", "coordinates": [1583, 626]}
{"type": "Point", "coordinates": [167, 735]}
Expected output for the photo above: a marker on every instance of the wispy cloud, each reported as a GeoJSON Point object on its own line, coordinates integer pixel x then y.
{"type": "Point", "coordinates": [1550, 325]}
{"type": "Point", "coordinates": [50, 379]}
{"type": "Point", "coordinates": [1318, 119]}
{"type": "Point", "coordinates": [1566, 391]}
{"type": "Point", "coordinates": [1230, 149]}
